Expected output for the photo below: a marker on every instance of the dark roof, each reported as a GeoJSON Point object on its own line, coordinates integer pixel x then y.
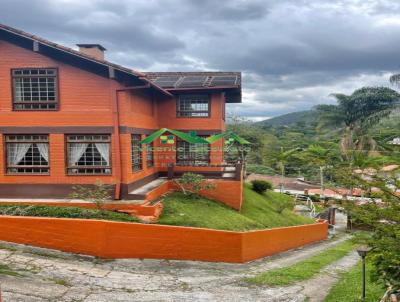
{"type": "Point", "coordinates": [101, 47]}
{"type": "Point", "coordinates": [229, 82]}
{"type": "Point", "coordinates": [290, 183]}
{"type": "Point", "coordinates": [67, 49]}
{"type": "Point", "coordinates": [177, 82]}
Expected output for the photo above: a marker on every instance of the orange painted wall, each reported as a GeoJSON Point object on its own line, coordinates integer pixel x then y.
{"type": "Point", "coordinates": [57, 167]}
{"type": "Point", "coordinates": [229, 192]}
{"type": "Point", "coordinates": [86, 100]}
{"type": "Point", "coordinates": [108, 239]}
{"type": "Point", "coordinates": [128, 175]}
{"type": "Point", "coordinates": [84, 96]}
{"type": "Point", "coordinates": [168, 117]}
{"type": "Point", "coordinates": [138, 109]}
{"type": "Point", "coordinates": [258, 244]}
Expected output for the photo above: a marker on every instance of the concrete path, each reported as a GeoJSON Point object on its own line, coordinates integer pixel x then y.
{"type": "Point", "coordinates": [32, 274]}
{"type": "Point", "coordinates": [318, 288]}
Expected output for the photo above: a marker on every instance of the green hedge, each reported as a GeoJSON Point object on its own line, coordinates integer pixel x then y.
{"type": "Point", "coordinates": [63, 212]}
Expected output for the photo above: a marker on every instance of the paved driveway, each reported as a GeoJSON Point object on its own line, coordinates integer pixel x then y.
{"type": "Point", "coordinates": [30, 274]}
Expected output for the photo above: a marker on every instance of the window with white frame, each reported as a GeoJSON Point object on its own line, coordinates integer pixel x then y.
{"type": "Point", "coordinates": [27, 154]}
{"type": "Point", "coordinates": [35, 89]}
{"type": "Point", "coordinates": [89, 154]}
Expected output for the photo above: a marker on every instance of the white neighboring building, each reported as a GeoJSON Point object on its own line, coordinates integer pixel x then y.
{"type": "Point", "coordinates": [395, 141]}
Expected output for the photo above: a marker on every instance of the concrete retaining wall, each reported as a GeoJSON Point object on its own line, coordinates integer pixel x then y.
{"type": "Point", "coordinates": [108, 239]}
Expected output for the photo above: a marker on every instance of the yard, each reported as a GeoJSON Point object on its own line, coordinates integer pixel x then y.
{"type": "Point", "coordinates": [258, 212]}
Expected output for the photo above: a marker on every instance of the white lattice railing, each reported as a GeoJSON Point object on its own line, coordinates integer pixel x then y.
{"type": "Point", "coordinates": [306, 200]}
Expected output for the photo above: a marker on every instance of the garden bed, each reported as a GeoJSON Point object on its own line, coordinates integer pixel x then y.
{"type": "Point", "coordinates": [62, 212]}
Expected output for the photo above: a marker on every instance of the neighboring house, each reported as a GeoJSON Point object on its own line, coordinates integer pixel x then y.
{"type": "Point", "coordinates": [395, 141]}
{"type": "Point", "coordinates": [291, 185]}
{"type": "Point", "coordinates": [70, 117]}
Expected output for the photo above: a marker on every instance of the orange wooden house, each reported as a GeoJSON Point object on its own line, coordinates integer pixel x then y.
{"type": "Point", "coordinates": [70, 117]}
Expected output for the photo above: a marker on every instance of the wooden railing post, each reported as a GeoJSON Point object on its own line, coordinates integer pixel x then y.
{"type": "Point", "coordinates": [171, 171]}
{"type": "Point", "coordinates": [238, 171]}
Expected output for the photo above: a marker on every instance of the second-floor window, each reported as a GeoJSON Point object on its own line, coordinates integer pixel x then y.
{"type": "Point", "coordinates": [89, 154]}
{"type": "Point", "coordinates": [27, 154]}
{"type": "Point", "coordinates": [193, 105]}
{"type": "Point", "coordinates": [35, 89]}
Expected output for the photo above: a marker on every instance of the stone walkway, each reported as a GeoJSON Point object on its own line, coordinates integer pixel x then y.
{"type": "Point", "coordinates": [32, 274]}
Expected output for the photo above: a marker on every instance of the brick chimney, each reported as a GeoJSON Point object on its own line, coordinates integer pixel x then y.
{"type": "Point", "coordinates": [94, 50]}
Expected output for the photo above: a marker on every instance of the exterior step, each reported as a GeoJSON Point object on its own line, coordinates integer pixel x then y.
{"type": "Point", "coordinates": [141, 192]}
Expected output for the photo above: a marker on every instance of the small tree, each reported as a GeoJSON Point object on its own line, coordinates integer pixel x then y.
{"type": "Point", "coordinates": [260, 186]}
{"type": "Point", "coordinates": [98, 194]}
{"type": "Point", "coordinates": [282, 158]}
{"type": "Point", "coordinates": [191, 184]}
{"type": "Point", "coordinates": [281, 205]}
{"type": "Point", "coordinates": [383, 220]}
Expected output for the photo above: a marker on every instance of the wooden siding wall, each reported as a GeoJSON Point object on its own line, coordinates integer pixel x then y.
{"type": "Point", "coordinates": [86, 103]}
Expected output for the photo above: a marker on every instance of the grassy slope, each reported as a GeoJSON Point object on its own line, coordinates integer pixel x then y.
{"type": "Point", "coordinates": [303, 270]}
{"type": "Point", "coordinates": [257, 213]}
{"type": "Point", "coordinates": [261, 208]}
{"type": "Point", "coordinates": [348, 289]}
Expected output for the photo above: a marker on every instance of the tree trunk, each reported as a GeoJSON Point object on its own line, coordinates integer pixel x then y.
{"type": "Point", "coordinates": [321, 172]}
{"type": "Point", "coordinates": [346, 142]}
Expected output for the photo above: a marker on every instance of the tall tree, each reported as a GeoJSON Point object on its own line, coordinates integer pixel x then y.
{"type": "Point", "coordinates": [319, 156]}
{"type": "Point", "coordinates": [282, 158]}
{"type": "Point", "coordinates": [356, 113]}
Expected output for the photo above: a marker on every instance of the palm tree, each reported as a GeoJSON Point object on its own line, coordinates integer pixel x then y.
{"type": "Point", "coordinates": [356, 113]}
{"type": "Point", "coordinates": [395, 79]}
{"type": "Point", "coordinates": [282, 158]}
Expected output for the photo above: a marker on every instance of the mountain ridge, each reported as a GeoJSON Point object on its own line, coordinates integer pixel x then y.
{"type": "Point", "coordinates": [289, 119]}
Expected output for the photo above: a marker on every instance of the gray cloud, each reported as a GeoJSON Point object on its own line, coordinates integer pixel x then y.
{"type": "Point", "coordinates": [293, 53]}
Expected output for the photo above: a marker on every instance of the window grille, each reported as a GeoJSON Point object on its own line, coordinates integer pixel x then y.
{"type": "Point", "coordinates": [89, 154]}
{"type": "Point", "coordinates": [35, 89]}
{"type": "Point", "coordinates": [27, 154]}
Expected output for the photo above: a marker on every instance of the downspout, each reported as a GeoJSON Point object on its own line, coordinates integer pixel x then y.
{"type": "Point", "coordinates": [117, 143]}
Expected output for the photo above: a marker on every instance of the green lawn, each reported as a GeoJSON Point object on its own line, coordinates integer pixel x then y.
{"type": "Point", "coordinates": [258, 212]}
{"type": "Point", "coordinates": [63, 212]}
{"type": "Point", "coordinates": [303, 270]}
{"type": "Point", "coordinates": [348, 289]}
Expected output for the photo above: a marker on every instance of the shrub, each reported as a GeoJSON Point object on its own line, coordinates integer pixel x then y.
{"type": "Point", "coordinates": [62, 212]}
{"type": "Point", "coordinates": [191, 184]}
{"type": "Point", "coordinates": [260, 169]}
{"type": "Point", "coordinates": [284, 204]}
{"type": "Point", "coordinates": [99, 194]}
{"type": "Point", "coordinates": [260, 186]}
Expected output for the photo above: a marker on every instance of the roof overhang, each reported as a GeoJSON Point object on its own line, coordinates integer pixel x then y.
{"type": "Point", "coordinates": [200, 82]}
{"type": "Point", "coordinates": [76, 58]}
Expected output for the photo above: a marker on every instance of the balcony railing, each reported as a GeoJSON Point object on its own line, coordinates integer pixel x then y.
{"type": "Point", "coordinates": [227, 171]}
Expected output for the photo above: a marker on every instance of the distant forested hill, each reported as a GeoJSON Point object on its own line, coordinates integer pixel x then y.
{"type": "Point", "coordinates": [290, 119]}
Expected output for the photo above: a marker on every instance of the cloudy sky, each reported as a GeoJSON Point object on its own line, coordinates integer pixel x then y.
{"type": "Point", "coordinates": [292, 53]}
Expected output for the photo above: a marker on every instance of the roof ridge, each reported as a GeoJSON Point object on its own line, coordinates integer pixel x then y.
{"type": "Point", "coordinates": [69, 49]}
